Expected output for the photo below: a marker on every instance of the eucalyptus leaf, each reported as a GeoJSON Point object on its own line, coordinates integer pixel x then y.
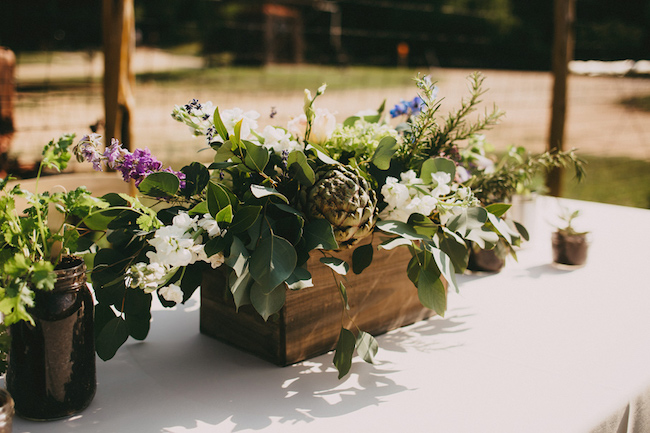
{"type": "Point", "coordinates": [400, 228]}
{"type": "Point", "coordinates": [160, 184]}
{"type": "Point", "coordinates": [138, 325]}
{"type": "Point", "coordinates": [220, 197]}
{"type": "Point", "coordinates": [237, 260]}
{"type": "Point", "coordinates": [344, 352]}
{"type": "Point", "coordinates": [240, 287]}
{"type": "Point", "coordinates": [244, 218]}
{"type": "Point", "coordinates": [112, 336]}
{"type": "Point", "coordinates": [390, 244]}
{"type": "Point", "coordinates": [297, 161]}
{"type": "Point", "coordinates": [367, 347]}
{"type": "Point", "coordinates": [435, 165]}
{"type": "Point", "coordinates": [267, 303]}
{"type": "Point", "coordinates": [197, 177]}
{"type": "Point", "coordinates": [318, 234]}
{"type": "Point", "coordinates": [272, 262]}
{"type": "Point", "coordinates": [384, 153]}
{"type": "Point", "coordinates": [444, 265]}
{"type": "Point", "coordinates": [362, 257]}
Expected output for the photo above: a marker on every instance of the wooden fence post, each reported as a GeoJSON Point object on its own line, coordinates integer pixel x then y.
{"type": "Point", "coordinates": [119, 79]}
{"type": "Point", "coordinates": [7, 97]}
{"type": "Point", "coordinates": [564, 17]}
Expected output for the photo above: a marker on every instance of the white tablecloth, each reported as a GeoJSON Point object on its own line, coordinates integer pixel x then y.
{"type": "Point", "coordinates": [531, 349]}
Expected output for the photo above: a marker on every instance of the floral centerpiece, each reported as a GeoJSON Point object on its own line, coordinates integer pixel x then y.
{"type": "Point", "coordinates": [275, 195]}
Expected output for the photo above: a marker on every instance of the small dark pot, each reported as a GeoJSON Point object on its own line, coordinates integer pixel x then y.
{"type": "Point", "coordinates": [51, 366]}
{"type": "Point", "coordinates": [569, 249]}
{"type": "Point", "coordinates": [485, 261]}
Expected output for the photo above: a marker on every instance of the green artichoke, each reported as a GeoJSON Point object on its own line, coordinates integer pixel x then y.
{"type": "Point", "coordinates": [345, 199]}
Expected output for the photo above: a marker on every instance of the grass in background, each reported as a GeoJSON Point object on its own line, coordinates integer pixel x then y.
{"type": "Point", "coordinates": [621, 181]}
{"type": "Point", "coordinates": [638, 102]}
{"type": "Point", "coordinates": [286, 78]}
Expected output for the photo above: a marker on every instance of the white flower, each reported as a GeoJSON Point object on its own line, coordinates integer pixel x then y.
{"type": "Point", "coordinates": [171, 293]}
{"type": "Point", "coordinates": [323, 126]}
{"type": "Point", "coordinates": [279, 140]}
{"type": "Point", "coordinates": [249, 121]}
{"type": "Point", "coordinates": [297, 126]}
{"type": "Point", "coordinates": [210, 226]}
{"type": "Point", "coordinates": [395, 194]}
{"type": "Point", "coordinates": [409, 177]}
{"type": "Point", "coordinates": [147, 277]}
{"type": "Point", "coordinates": [442, 180]}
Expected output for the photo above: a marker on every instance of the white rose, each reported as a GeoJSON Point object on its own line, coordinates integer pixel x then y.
{"type": "Point", "coordinates": [323, 126]}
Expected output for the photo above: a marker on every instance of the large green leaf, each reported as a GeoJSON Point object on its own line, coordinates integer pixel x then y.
{"type": "Point", "coordinates": [498, 209]}
{"type": "Point", "coordinates": [384, 153]}
{"type": "Point", "coordinates": [297, 161]}
{"type": "Point", "coordinates": [268, 302]}
{"type": "Point", "coordinates": [256, 156]}
{"type": "Point", "coordinates": [431, 291]}
{"type": "Point", "coordinates": [138, 325]}
{"type": "Point", "coordinates": [244, 218]}
{"type": "Point", "coordinates": [224, 215]}
{"type": "Point", "coordinates": [237, 260]}
{"type": "Point", "coordinates": [219, 197]}
{"type": "Point", "coordinates": [160, 184]}
{"type": "Point", "coordinates": [272, 262]}
{"type": "Point", "coordinates": [435, 165]}
{"type": "Point", "coordinates": [319, 234]}
{"type": "Point", "coordinates": [456, 249]}
{"type": "Point", "coordinates": [197, 177]}
{"type": "Point", "coordinates": [467, 219]}
{"type": "Point", "coordinates": [444, 264]}
{"type": "Point", "coordinates": [111, 337]}
{"type": "Point", "coordinates": [362, 258]}
{"type": "Point", "coordinates": [344, 352]}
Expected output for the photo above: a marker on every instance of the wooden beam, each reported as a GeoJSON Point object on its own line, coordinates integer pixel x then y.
{"type": "Point", "coordinates": [564, 17]}
{"type": "Point", "coordinates": [119, 79]}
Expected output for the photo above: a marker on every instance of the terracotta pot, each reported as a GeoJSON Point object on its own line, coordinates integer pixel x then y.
{"type": "Point", "coordinates": [381, 298]}
{"type": "Point", "coordinates": [569, 249]}
{"type": "Point", "coordinates": [51, 366]}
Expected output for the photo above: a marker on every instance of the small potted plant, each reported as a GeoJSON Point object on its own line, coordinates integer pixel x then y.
{"type": "Point", "coordinates": [570, 246]}
{"type": "Point", "coordinates": [46, 304]}
{"type": "Point", "coordinates": [513, 179]}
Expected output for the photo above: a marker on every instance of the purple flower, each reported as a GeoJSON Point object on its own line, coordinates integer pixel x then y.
{"type": "Point", "coordinates": [114, 154]}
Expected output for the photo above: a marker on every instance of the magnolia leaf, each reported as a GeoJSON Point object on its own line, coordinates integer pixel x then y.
{"type": "Point", "coordinates": [299, 279]}
{"type": "Point", "coordinates": [522, 230]}
{"type": "Point", "coordinates": [272, 262]}
{"type": "Point", "coordinates": [394, 243]}
{"type": "Point", "coordinates": [367, 347]}
{"type": "Point", "coordinates": [224, 155]}
{"type": "Point", "coordinates": [260, 191]}
{"type": "Point", "coordinates": [435, 165]}
{"type": "Point", "coordinates": [344, 352]}
{"type": "Point", "coordinates": [218, 124]}
{"type": "Point", "coordinates": [339, 266]}
{"type": "Point", "coordinates": [400, 228]}
{"type": "Point", "coordinates": [244, 218]}
{"type": "Point", "coordinates": [318, 234]}
{"type": "Point", "coordinates": [112, 336]}
{"type": "Point", "coordinates": [220, 197]}
{"type": "Point", "coordinates": [256, 156]}
{"type": "Point", "coordinates": [456, 248]}
{"type": "Point", "coordinates": [267, 303]}
{"type": "Point", "coordinates": [444, 264]}
{"type": "Point", "coordinates": [385, 150]}
{"type": "Point", "coordinates": [297, 161]}
{"type": "Point", "coordinates": [362, 258]}
{"type": "Point", "coordinates": [224, 215]}
{"type": "Point", "coordinates": [160, 184]}
{"type": "Point", "coordinates": [199, 209]}
{"type": "Point", "coordinates": [498, 209]}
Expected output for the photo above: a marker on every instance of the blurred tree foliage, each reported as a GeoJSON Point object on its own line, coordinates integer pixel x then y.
{"type": "Point", "coordinates": [513, 34]}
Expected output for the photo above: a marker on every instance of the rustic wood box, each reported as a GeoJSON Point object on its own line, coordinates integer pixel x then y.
{"type": "Point", "coordinates": [381, 298]}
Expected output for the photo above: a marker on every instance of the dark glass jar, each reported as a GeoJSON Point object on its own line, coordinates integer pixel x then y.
{"type": "Point", "coordinates": [51, 366]}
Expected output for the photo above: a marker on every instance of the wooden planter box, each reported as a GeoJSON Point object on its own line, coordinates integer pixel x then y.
{"type": "Point", "coordinates": [381, 298]}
